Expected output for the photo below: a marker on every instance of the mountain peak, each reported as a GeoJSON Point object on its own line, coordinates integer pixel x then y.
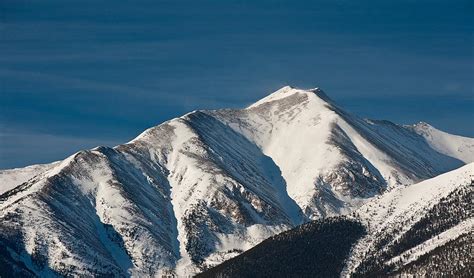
{"type": "Point", "coordinates": [288, 91]}
{"type": "Point", "coordinates": [422, 125]}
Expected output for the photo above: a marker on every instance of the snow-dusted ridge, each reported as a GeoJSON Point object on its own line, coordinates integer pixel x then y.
{"type": "Point", "coordinates": [11, 178]}
{"type": "Point", "coordinates": [445, 143]}
{"type": "Point", "coordinates": [199, 189]}
{"type": "Point", "coordinates": [409, 222]}
{"type": "Point", "coordinates": [418, 230]}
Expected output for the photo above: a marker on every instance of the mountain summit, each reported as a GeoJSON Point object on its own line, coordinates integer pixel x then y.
{"type": "Point", "coordinates": [199, 189]}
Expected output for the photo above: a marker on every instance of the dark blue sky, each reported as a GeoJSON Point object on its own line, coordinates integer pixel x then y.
{"type": "Point", "coordinates": [76, 74]}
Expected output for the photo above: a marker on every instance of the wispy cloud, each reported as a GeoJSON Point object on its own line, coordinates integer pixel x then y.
{"type": "Point", "coordinates": [79, 83]}
{"type": "Point", "coordinates": [24, 148]}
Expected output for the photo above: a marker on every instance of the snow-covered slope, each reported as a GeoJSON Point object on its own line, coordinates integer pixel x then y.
{"type": "Point", "coordinates": [424, 229]}
{"type": "Point", "coordinates": [445, 143]}
{"type": "Point", "coordinates": [410, 222]}
{"type": "Point", "coordinates": [13, 177]}
{"type": "Point", "coordinates": [202, 188]}
{"type": "Point", "coordinates": [330, 159]}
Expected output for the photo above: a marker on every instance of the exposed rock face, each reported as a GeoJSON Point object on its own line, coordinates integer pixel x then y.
{"type": "Point", "coordinates": [199, 189]}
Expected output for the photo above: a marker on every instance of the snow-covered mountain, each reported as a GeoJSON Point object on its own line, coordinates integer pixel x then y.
{"type": "Point", "coordinates": [419, 230]}
{"type": "Point", "coordinates": [199, 189]}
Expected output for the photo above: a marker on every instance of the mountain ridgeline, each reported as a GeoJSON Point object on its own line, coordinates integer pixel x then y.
{"type": "Point", "coordinates": [195, 191]}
